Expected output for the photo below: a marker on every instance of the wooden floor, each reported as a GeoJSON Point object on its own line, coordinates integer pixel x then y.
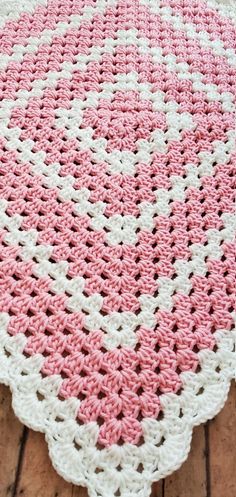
{"type": "Point", "coordinates": [210, 471]}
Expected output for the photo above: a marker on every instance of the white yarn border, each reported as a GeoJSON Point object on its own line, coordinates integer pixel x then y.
{"type": "Point", "coordinates": [203, 396]}
{"type": "Point", "coordinates": [106, 471]}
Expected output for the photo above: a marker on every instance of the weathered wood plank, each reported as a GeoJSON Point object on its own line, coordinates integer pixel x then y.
{"type": "Point", "coordinates": [38, 478]}
{"type": "Point", "coordinates": [222, 443]}
{"type": "Point", "coordinates": [190, 479]}
{"type": "Point", "coordinates": [11, 431]}
{"type": "Point", "coordinates": [158, 489]}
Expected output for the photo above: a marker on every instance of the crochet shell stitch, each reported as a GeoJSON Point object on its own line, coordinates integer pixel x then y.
{"type": "Point", "coordinates": [117, 261]}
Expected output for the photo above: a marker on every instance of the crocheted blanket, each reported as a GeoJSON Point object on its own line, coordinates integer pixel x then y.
{"type": "Point", "coordinates": [117, 135]}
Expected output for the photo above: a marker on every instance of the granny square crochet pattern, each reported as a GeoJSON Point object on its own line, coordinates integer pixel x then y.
{"type": "Point", "coordinates": [117, 256]}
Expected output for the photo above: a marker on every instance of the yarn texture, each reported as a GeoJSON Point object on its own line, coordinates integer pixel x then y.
{"type": "Point", "coordinates": [117, 254]}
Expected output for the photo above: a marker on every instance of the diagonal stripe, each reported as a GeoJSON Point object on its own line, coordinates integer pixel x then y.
{"type": "Point", "coordinates": [167, 14]}
{"type": "Point", "coordinates": [120, 326]}
{"type": "Point", "coordinates": [111, 470]}
{"type": "Point", "coordinates": [226, 10]}
{"type": "Point", "coordinates": [11, 10]}
{"type": "Point", "coordinates": [204, 18]}
{"type": "Point", "coordinates": [183, 71]}
{"type": "Point", "coordinates": [46, 36]}
{"type": "Point", "coordinates": [67, 192]}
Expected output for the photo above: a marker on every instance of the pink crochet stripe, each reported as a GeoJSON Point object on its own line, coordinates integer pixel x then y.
{"type": "Point", "coordinates": [186, 50]}
{"type": "Point", "coordinates": [211, 126]}
{"type": "Point", "coordinates": [127, 59]}
{"type": "Point", "coordinates": [94, 32]}
{"type": "Point", "coordinates": [34, 24]}
{"type": "Point", "coordinates": [118, 386]}
{"type": "Point", "coordinates": [91, 383]}
{"type": "Point", "coordinates": [205, 19]}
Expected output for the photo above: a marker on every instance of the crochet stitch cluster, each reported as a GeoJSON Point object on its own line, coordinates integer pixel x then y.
{"type": "Point", "coordinates": [117, 198]}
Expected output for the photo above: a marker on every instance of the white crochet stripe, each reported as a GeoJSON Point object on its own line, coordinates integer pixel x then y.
{"type": "Point", "coordinates": [120, 327]}
{"type": "Point", "coordinates": [45, 37]}
{"type": "Point", "coordinates": [167, 14]}
{"type": "Point", "coordinates": [67, 192]}
{"type": "Point", "coordinates": [122, 226]}
{"type": "Point", "coordinates": [181, 69]}
{"type": "Point", "coordinates": [121, 163]}
{"type": "Point", "coordinates": [227, 9]}
{"type": "Point", "coordinates": [125, 161]}
{"type": "Point", "coordinates": [14, 9]}
{"type": "Point", "coordinates": [114, 471]}
{"type": "Point", "coordinates": [10, 10]}
{"type": "Point", "coordinates": [118, 161]}
{"type": "Point", "coordinates": [166, 442]}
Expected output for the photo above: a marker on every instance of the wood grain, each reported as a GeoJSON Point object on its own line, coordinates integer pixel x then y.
{"type": "Point", "coordinates": [158, 489]}
{"type": "Point", "coordinates": [26, 470]}
{"type": "Point", "coordinates": [38, 477]}
{"type": "Point", "coordinates": [222, 443]}
{"type": "Point", "coordinates": [190, 479]}
{"type": "Point", "coordinates": [11, 431]}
